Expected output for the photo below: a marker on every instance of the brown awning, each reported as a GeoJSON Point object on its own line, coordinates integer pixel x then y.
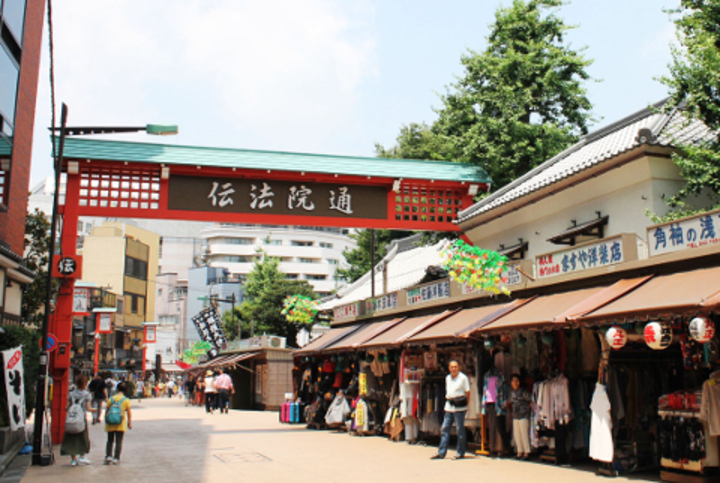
{"type": "Point", "coordinates": [541, 311]}
{"type": "Point", "coordinates": [331, 336]}
{"type": "Point", "coordinates": [453, 326]}
{"type": "Point", "coordinates": [665, 296]}
{"type": "Point", "coordinates": [602, 298]}
{"type": "Point", "coordinates": [368, 332]}
{"type": "Point", "coordinates": [405, 329]}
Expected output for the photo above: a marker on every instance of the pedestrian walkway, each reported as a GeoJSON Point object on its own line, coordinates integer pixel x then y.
{"type": "Point", "coordinates": [174, 443]}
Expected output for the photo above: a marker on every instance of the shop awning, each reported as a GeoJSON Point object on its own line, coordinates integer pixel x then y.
{"type": "Point", "coordinates": [456, 325]}
{"type": "Point", "coordinates": [664, 296]}
{"type": "Point", "coordinates": [404, 330]}
{"type": "Point", "coordinates": [367, 333]}
{"type": "Point", "coordinates": [602, 298]}
{"type": "Point", "coordinates": [540, 311]}
{"type": "Point", "coordinates": [331, 336]}
{"type": "Point", "coordinates": [172, 368]}
{"type": "Point", "coordinates": [226, 360]}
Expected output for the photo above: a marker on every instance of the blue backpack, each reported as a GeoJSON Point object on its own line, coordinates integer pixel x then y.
{"type": "Point", "coordinates": [115, 415]}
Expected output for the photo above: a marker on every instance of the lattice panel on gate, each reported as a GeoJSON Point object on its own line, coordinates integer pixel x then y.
{"type": "Point", "coordinates": [434, 206]}
{"type": "Point", "coordinates": [3, 186]}
{"type": "Point", "coordinates": [129, 189]}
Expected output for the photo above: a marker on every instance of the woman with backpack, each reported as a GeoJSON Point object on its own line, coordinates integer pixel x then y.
{"type": "Point", "coordinates": [76, 441]}
{"type": "Point", "coordinates": [118, 419]}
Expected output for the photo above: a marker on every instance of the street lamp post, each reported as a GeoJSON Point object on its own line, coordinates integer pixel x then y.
{"type": "Point", "coordinates": [68, 283]}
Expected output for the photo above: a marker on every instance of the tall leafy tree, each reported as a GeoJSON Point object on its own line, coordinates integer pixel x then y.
{"type": "Point", "coordinates": [520, 101]}
{"type": "Point", "coordinates": [37, 253]}
{"type": "Point", "coordinates": [694, 84]}
{"type": "Point", "coordinates": [359, 260]}
{"type": "Point", "coordinates": [265, 291]}
{"type": "Point", "coordinates": [415, 141]}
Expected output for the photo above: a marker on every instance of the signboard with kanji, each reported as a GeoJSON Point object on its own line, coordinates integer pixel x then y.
{"type": "Point", "coordinates": [346, 311]}
{"type": "Point", "coordinates": [592, 255]}
{"type": "Point", "coordinates": [426, 293]}
{"type": "Point", "coordinates": [693, 232]}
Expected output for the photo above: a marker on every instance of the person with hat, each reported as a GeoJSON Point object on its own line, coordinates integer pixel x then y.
{"type": "Point", "coordinates": [210, 392]}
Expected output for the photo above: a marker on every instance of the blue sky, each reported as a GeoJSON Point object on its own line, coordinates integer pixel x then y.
{"type": "Point", "coordinates": [319, 76]}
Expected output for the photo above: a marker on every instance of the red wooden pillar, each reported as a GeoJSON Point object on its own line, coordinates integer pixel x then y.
{"type": "Point", "coordinates": [61, 320]}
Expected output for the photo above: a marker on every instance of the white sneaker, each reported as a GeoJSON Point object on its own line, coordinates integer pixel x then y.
{"type": "Point", "coordinates": [73, 463]}
{"type": "Point", "coordinates": [108, 460]}
{"type": "Point", "coordinates": [115, 461]}
{"type": "Point", "coordinates": [83, 460]}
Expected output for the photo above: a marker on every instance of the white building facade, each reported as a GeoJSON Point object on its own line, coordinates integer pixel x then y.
{"type": "Point", "coordinates": [311, 254]}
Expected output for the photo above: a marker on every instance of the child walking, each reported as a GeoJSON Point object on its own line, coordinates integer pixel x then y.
{"type": "Point", "coordinates": [118, 419]}
{"type": "Point", "coordinates": [77, 444]}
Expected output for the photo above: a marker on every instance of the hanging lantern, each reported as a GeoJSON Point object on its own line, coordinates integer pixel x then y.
{"type": "Point", "coordinates": [701, 329]}
{"type": "Point", "coordinates": [658, 335]}
{"type": "Point", "coordinates": [548, 338]}
{"type": "Point", "coordinates": [616, 337]}
{"type": "Point", "coordinates": [489, 344]}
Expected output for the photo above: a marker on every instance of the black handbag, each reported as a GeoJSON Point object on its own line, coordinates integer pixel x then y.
{"type": "Point", "coordinates": [458, 402]}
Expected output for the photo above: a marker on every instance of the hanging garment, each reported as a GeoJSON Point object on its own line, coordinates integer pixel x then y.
{"type": "Point", "coordinates": [601, 440]}
{"type": "Point", "coordinates": [474, 409]}
{"type": "Point", "coordinates": [590, 351]}
{"type": "Point", "coordinates": [494, 391]}
{"type": "Point", "coordinates": [710, 408]}
{"type": "Point", "coordinates": [338, 411]}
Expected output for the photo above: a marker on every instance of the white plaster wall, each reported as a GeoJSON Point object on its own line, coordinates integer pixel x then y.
{"type": "Point", "coordinates": [13, 299]}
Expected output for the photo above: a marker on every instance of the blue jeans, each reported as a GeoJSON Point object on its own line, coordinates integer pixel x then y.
{"type": "Point", "coordinates": [459, 419]}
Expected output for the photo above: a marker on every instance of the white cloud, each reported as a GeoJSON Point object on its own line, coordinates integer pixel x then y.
{"type": "Point", "coordinates": [270, 74]}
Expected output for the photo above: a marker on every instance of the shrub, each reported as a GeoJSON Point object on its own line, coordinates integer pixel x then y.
{"type": "Point", "coordinates": [30, 341]}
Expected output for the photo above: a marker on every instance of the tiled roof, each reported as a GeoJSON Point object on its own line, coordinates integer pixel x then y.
{"type": "Point", "coordinates": [404, 269]}
{"type": "Point", "coordinates": [81, 148]}
{"type": "Point", "coordinates": [595, 148]}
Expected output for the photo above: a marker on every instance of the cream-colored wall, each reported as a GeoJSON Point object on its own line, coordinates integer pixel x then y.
{"type": "Point", "coordinates": [625, 194]}
{"type": "Point", "coordinates": [13, 299]}
{"type": "Point", "coordinates": [152, 240]}
{"type": "Point", "coordinates": [104, 260]}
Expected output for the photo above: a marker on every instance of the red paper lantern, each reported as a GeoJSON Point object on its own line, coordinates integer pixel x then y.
{"type": "Point", "coordinates": [658, 335]}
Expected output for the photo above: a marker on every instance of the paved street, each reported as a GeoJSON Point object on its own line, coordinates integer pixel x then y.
{"type": "Point", "coordinates": [174, 443]}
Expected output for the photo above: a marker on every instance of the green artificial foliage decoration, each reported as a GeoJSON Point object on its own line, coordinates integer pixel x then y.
{"type": "Point", "coordinates": [478, 268]}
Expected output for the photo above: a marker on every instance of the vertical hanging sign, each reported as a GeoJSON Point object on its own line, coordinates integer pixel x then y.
{"type": "Point", "coordinates": [14, 386]}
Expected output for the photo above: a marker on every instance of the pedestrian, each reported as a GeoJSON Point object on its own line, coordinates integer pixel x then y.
{"type": "Point", "coordinates": [140, 389]}
{"type": "Point", "coordinates": [210, 392]}
{"type": "Point", "coordinates": [200, 391]}
{"type": "Point", "coordinates": [170, 388]}
{"type": "Point", "coordinates": [457, 395]}
{"type": "Point", "coordinates": [99, 393]}
{"type": "Point", "coordinates": [224, 386]}
{"type": "Point", "coordinates": [189, 390]}
{"type": "Point", "coordinates": [77, 444]}
{"type": "Point", "coordinates": [118, 419]}
{"type": "Point", "coordinates": [519, 402]}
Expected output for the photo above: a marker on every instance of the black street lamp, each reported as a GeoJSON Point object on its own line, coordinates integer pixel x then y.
{"type": "Point", "coordinates": [64, 131]}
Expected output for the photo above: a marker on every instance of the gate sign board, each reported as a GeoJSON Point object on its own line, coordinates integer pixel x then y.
{"type": "Point", "coordinates": [693, 232]}
{"type": "Point", "coordinates": [232, 195]}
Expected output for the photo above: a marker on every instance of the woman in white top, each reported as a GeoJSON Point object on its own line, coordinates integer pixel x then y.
{"type": "Point", "coordinates": [210, 392]}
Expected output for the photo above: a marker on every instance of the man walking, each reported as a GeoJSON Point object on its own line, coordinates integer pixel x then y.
{"type": "Point", "coordinates": [210, 392]}
{"type": "Point", "coordinates": [224, 386]}
{"type": "Point", "coordinates": [99, 394]}
{"type": "Point", "coordinates": [457, 395]}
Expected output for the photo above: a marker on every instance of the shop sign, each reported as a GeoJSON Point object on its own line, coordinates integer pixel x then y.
{"type": "Point", "coordinates": [243, 195]}
{"type": "Point", "coordinates": [695, 232]}
{"type": "Point", "coordinates": [435, 291]}
{"type": "Point", "coordinates": [594, 255]}
{"type": "Point", "coordinates": [346, 311]}
{"type": "Point", "coordinates": [105, 325]}
{"type": "Point", "coordinates": [14, 386]}
{"type": "Point", "coordinates": [384, 302]}
{"type": "Point", "coordinates": [509, 277]}
{"type": "Point", "coordinates": [81, 300]}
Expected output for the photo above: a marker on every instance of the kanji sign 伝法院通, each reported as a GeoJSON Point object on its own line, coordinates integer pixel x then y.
{"type": "Point", "coordinates": [241, 195]}
{"type": "Point", "coordinates": [593, 255]}
{"type": "Point", "coordinates": [694, 232]}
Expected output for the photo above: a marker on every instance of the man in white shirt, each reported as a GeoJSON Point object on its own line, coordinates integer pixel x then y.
{"type": "Point", "coordinates": [457, 395]}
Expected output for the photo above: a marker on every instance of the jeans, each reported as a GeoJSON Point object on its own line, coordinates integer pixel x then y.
{"type": "Point", "coordinates": [98, 404]}
{"type": "Point", "coordinates": [459, 419]}
{"type": "Point", "coordinates": [223, 399]}
{"type": "Point", "coordinates": [210, 398]}
{"type": "Point", "coordinates": [117, 438]}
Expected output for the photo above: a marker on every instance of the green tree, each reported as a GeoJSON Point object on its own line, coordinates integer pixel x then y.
{"type": "Point", "coordinates": [416, 141]}
{"type": "Point", "coordinates": [265, 291]}
{"type": "Point", "coordinates": [694, 84]}
{"type": "Point", "coordinates": [37, 249]}
{"type": "Point", "coordinates": [522, 100]}
{"type": "Point", "coordinates": [359, 260]}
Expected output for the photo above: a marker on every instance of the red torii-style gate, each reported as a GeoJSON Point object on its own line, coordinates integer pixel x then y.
{"type": "Point", "coordinates": [142, 180]}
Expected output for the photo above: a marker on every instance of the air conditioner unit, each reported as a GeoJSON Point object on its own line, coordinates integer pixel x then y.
{"type": "Point", "coordinates": [273, 342]}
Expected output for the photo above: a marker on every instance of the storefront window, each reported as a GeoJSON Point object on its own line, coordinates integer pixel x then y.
{"type": "Point", "coordinates": [8, 87]}
{"type": "Point", "coordinates": [13, 12]}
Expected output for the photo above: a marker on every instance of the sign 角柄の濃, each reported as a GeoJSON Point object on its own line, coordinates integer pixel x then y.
{"type": "Point", "coordinates": [693, 232]}
{"type": "Point", "coordinates": [593, 255]}
{"type": "Point", "coordinates": [15, 386]}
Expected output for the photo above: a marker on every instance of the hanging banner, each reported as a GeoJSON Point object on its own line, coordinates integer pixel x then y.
{"type": "Point", "coordinates": [14, 386]}
{"type": "Point", "coordinates": [209, 326]}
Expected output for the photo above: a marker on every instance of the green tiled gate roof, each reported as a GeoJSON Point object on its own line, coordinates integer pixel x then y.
{"type": "Point", "coordinates": [96, 149]}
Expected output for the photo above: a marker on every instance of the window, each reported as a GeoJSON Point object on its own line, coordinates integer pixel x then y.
{"type": "Point", "coordinates": [332, 261]}
{"type": "Point", "coordinates": [291, 276]}
{"type": "Point", "coordinates": [80, 226]}
{"type": "Point", "coordinates": [237, 241]}
{"type": "Point", "coordinates": [323, 294]}
{"type": "Point", "coordinates": [181, 292]}
{"type": "Point", "coordinates": [159, 292]}
{"type": "Point", "coordinates": [272, 242]}
{"type": "Point", "coordinates": [13, 15]}
{"type": "Point", "coordinates": [8, 90]}
{"type": "Point", "coordinates": [296, 243]}
{"type": "Point", "coordinates": [135, 268]}
{"type": "Point", "coordinates": [306, 260]}
{"type": "Point", "coordinates": [316, 277]}
{"type": "Point", "coordinates": [134, 304]}
{"type": "Point", "coordinates": [120, 306]}
{"type": "Point", "coordinates": [326, 245]}
{"type": "Point", "coordinates": [239, 259]}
